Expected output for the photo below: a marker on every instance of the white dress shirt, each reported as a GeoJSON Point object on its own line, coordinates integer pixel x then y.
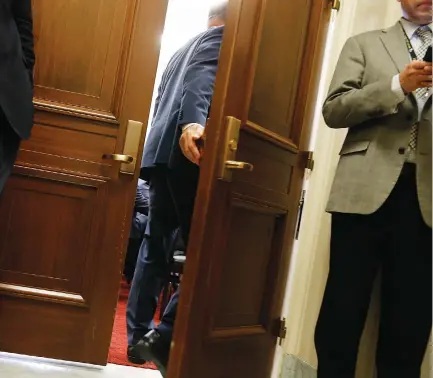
{"type": "Point", "coordinates": [410, 28]}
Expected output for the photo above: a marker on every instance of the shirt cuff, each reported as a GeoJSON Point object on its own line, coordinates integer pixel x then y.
{"type": "Point", "coordinates": [397, 89]}
{"type": "Point", "coordinates": [184, 127]}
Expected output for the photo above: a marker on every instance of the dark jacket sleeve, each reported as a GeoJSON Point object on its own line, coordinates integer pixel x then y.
{"type": "Point", "coordinates": [200, 79]}
{"type": "Point", "coordinates": [22, 12]}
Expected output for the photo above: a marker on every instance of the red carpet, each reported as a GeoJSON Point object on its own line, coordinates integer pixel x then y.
{"type": "Point", "coordinates": [117, 354]}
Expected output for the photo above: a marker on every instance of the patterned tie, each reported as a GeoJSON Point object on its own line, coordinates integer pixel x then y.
{"type": "Point", "coordinates": [421, 94]}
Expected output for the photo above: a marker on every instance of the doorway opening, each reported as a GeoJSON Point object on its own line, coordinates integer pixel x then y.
{"type": "Point", "coordinates": [240, 255]}
{"type": "Point", "coordinates": [184, 20]}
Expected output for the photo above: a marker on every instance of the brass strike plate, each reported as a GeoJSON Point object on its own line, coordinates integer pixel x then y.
{"type": "Point", "coordinates": [132, 145]}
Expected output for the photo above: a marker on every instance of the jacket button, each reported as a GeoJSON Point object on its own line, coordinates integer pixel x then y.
{"type": "Point", "coordinates": [401, 150]}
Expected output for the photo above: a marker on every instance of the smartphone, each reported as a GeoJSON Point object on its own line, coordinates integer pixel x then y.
{"type": "Point", "coordinates": [428, 57]}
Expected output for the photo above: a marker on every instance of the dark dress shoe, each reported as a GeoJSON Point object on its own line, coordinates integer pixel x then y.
{"type": "Point", "coordinates": [133, 356]}
{"type": "Point", "coordinates": [151, 348]}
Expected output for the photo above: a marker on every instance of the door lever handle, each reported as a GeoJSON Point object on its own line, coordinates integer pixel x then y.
{"type": "Point", "coordinates": [231, 164]}
{"type": "Point", "coordinates": [228, 162]}
{"type": "Point", "coordinates": [126, 159]}
{"type": "Point", "coordinates": [129, 154]}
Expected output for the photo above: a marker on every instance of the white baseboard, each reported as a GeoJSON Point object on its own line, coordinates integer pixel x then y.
{"type": "Point", "coordinates": [293, 367]}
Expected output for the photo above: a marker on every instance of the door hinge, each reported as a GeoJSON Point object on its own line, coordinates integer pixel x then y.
{"type": "Point", "coordinates": [309, 164]}
{"type": "Point", "coordinates": [336, 5]}
{"type": "Point", "coordinates": [307, 160]}
{"type": "Point", "coordinates": [300, 212]}
{"type": "Point", "coordinates": [282, 332]}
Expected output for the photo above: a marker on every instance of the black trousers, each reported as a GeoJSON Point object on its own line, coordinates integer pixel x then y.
{"type": "Point", "coordinates": [171, 204]}
{"type": "Point", "coordinates": [396, 240]}
{"type": "Point", "coordinates": [9, 146]}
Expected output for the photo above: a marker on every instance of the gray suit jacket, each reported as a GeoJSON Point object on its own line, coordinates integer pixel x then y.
{"type": "Point", "coordinates": [361, 99]}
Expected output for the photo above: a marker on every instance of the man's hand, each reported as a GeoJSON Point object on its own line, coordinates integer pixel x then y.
{"type": "Point", "coordinates": [188, 142]}
{"type": "Point", "coordinates": [416, 75]}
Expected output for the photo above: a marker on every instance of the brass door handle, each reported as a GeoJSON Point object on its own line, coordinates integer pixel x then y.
{"type": "Point", "coordinates": [228, 162]}
{"type": "Point", "coordinates": [129, 156]}
{"type": "Point", "coordinates": [231, 164]}
{"type": "Point", "coordinates": [126, 159]}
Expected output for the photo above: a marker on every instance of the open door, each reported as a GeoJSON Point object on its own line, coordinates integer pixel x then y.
{"type": "Point", "coordinates": [251, 178]}
{"type": "Point", "coordinates": [65, 213]}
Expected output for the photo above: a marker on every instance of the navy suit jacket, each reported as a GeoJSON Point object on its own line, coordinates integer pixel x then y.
{"type": "Point", "coordinates": [184, 96]}
{"type": "Point", "coordinates": [16, 64]}
{"type": "Point", "coordinates": [142, 198]}
{"type": "Point", "coordinates": [141, 211]}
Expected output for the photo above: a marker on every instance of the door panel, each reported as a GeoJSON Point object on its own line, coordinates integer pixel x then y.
{"type": "Point", "coordinates": [65, 213]}
{"type": "Point", "coordinates": [63, 145]}
{"type": "Point", "coordinates": [79, 49]}
{"type": "Point", "coordinates": [243, 229]}
{"type": "Point", "coordinates": [252, 251]}
{"type": "Point", "coordinates": [62, 263]}
{"type": "Point", "coordinates": [279, 60]}
{"type": "Point", "coordinates": [272, 176]}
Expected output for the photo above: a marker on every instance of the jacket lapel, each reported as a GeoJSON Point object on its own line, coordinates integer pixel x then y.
{"type": "Point", "coordinates": [393, 40]}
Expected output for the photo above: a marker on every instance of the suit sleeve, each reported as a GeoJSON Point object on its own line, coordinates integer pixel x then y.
{"type": "Point", "coordinates": [22, 11]}
{"type": "Point", "coordinates": [199, 81]}
{"type": "Point", "coordinates": [161, 88]}
{"type": "Point", "coordinates": [349, 102]}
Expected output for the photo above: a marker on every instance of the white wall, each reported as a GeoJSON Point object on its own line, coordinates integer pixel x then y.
{"type": "Point", "coordinates": [310, 262]}
{"type": "Point", "coordinates": [184, 20]}
{"type": "Point", "coordinates": [393, 12]}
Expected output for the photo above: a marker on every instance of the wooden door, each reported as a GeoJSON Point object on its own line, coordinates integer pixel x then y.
{"type": "Point", "coordinates": [243, 226]}
{"type": "Point", "coordinates": [65, 213]}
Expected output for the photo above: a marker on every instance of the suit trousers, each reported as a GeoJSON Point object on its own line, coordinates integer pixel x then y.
{"type": "Point", "coordinates": [9, 146]}
{"type": "Point", "coordinates": [171, 204]}
{"type": "Point", "coordinates": [139, 223]}
{"type": "Point", "coordinates": [396, 241]}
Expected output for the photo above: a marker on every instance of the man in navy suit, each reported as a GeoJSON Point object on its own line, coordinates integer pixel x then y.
{"type": "Point", "coordinates": [16, 80]}
{"type": "Point", "coordinates": [172, 170]}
